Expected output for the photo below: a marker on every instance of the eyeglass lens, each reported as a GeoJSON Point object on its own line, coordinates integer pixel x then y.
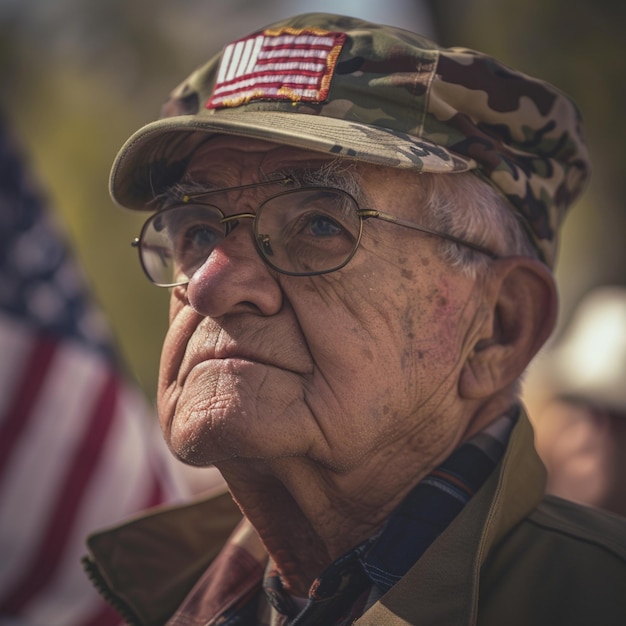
{"type": "Point", "coordinates": [299, 232]}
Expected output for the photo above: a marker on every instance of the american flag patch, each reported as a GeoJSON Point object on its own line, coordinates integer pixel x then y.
{"type": "Point", "coordinates": [287, 64]}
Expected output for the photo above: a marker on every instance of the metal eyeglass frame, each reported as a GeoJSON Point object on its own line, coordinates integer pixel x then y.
{"type": "Point", "coordinates": [363, 214]}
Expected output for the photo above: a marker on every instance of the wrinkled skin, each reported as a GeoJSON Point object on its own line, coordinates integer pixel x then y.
{"type": "Point", "coordinates": [322, 399]}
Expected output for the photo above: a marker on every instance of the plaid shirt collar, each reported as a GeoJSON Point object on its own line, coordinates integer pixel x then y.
{"type": "Point", "coordinates": [359, 578]}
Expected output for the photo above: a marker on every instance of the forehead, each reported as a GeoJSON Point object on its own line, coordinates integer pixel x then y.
{"type": "Point", "coordinates": [227, 157]}
{"type": "Point", "coordinates": [229, 161]}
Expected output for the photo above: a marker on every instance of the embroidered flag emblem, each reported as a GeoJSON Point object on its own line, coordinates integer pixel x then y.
{"type": "Point", "coordinates": [288, 64]}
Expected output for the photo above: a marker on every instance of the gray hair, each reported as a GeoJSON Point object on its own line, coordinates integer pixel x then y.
{"type": "Point", "coordinates": [469, 208]}
{"type": "Point", "coordinates": [462, 205]}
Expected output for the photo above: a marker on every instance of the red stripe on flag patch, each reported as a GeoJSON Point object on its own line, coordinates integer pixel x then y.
{"type": "Point", "coordinates": [292, 65]}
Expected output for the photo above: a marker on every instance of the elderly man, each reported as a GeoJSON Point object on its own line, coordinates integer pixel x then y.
{"type": "Point", "coordinates": [357, 227]}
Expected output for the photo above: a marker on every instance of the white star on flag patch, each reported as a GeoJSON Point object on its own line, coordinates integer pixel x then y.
{"type": "Point", "coordinates": [289, 64]}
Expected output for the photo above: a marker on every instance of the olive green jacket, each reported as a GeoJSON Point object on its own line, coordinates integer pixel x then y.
{"type": "Point", "coordinates": [512, 557]}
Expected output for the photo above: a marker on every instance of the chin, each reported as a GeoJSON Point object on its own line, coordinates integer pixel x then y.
{"type": "Point", "coordinates": [198, 444]}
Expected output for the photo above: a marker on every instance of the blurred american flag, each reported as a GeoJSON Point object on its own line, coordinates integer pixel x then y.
{"type": "Point", "coordinates": [79, 445]}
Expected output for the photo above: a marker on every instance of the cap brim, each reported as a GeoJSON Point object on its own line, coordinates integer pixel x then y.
{"type": "Point", "coordinates": [157, 154]}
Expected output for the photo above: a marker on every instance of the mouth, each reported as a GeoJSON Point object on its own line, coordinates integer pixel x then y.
{"type": "Point", "coordinates": [233, 359]}
{"type": "Point", "coordinates": [235, 344]}
{"type": "Point", "coordinates": [213, 359]}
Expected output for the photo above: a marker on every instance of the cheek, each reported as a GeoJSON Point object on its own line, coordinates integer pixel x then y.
{"type": "Point", "coordinates": [359, 342]}
{"type": "Point", "coordinates": [172, 353]}
{"type": "Point", "coordinates": [183, 322]}
{"type": "Point", "coordinates": [167, 390]}
{"type": "Point", "coordinates": [434, 326]}
{"type": "Point", "coordinates": [178, 299]}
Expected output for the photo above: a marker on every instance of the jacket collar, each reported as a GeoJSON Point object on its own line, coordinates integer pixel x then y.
{"type": "Point", "coordinates": [442, 587]}
{"type": "Point", "coordinates": [146, 566]}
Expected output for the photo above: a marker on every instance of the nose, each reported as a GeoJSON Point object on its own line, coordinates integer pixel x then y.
{"type": "Point", "coordinates": [235, 279]}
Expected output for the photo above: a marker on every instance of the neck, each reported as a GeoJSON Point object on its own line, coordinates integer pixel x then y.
{"type": "Point", "coordinates": [308, 515]}
{"type": "Point", "coordinates": [305, 518]}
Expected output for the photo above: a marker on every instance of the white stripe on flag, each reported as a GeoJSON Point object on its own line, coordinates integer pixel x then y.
{"type": "Point", "coordinates": [134, 457]}
{"type": "Point", "coordinates": [258, 45]}
{"type": "Point", "coordinates": [224, 63]}
{"type": "Point", "coordinates": [234, 64]}
{"type": "Point", "coordinates": [40, 459]}
{"type": "Point", "coordinates": [246, 56]}
{"type": "Point", "coordinates": [304, 54]}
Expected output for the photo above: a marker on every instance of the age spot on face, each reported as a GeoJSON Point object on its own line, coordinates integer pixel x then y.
{"type": "Point", "coordinates": [408, 274]}
{"type": "Point", "coordinates": [368, 354]}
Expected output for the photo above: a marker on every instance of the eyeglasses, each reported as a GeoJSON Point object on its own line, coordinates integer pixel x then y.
{"type": "Point", "coordinates": [305, 231]}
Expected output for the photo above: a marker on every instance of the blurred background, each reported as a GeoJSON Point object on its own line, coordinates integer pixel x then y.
{"type": "Point", "coordinates": [79, 76]}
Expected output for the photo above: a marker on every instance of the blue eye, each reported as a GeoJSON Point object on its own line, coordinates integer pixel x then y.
{"type": "Point", "coordinates": [324, 226]}
{"type": "Point", "coordinates": [193, 237]}
{"type": "Point", "coordinates": [202, 238]}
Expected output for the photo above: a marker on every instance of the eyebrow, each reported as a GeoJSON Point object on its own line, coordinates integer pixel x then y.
{"type": "Point", "coordinates": [336, 174]}
{"type": "Point", "coordinates": [333, 174]}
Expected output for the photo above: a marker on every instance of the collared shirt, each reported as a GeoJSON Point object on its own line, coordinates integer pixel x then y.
{"type": "Point", "coordinates": [241, 588]}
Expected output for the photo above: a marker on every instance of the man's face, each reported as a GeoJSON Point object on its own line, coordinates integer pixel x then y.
{"type": "Point", "coordinates": [357, 366]}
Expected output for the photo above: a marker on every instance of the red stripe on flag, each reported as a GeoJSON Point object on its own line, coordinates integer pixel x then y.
{"type": "Point", "coordinates": [278, 56]}
{"type": "Point", "coordinates": [157, 495]}
{"type": "Point", "coordinates": [297, 46]}
{"type": "Point", "coordinates": [235, 89]}
{"type": "Point", "coordinates": [278, 78]}
{"type": "Point", "coordinates": [26, 393]}
{"type": "Point", "coordinates": [53, 541]}
{"type": "Point", "coordinates": [272, 71]}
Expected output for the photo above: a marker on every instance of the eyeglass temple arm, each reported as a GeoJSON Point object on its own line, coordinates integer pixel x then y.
{"type": "Point", "coordinates": [387, 217]}
{"type": "Point", "coordinates": [280, 181]}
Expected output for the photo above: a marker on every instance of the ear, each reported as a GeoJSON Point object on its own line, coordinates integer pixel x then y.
{"type": "Point", "coordinates": [520, 294]}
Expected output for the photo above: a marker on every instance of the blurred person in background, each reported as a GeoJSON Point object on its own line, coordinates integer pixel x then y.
{"type": "Point", "coordinates": [358, 228]}
{"type": "Point", "coordinates": [581, 430]}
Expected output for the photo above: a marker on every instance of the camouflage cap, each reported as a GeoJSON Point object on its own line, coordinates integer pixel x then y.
{"type": "Point", "coordinates": [379, 94]}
